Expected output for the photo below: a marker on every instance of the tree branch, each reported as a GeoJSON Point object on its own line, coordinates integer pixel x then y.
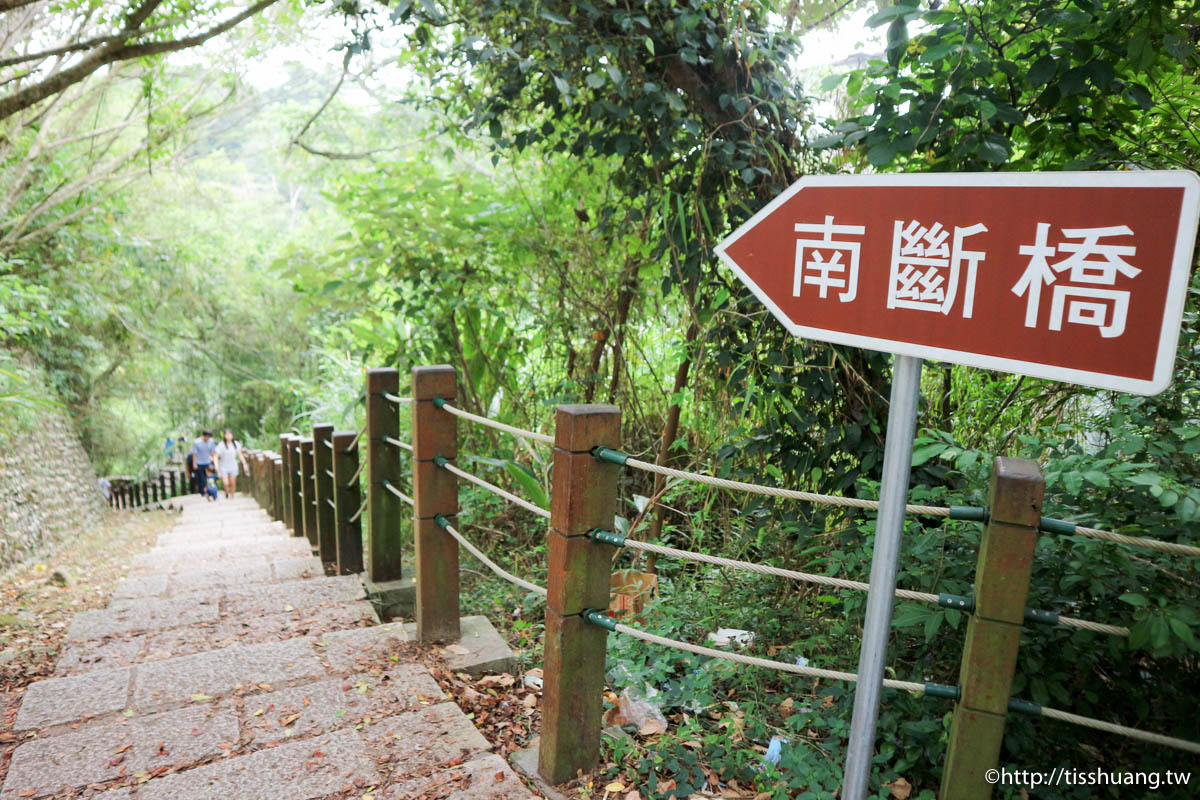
{"type": "Point", "coordinates": [112, 53]}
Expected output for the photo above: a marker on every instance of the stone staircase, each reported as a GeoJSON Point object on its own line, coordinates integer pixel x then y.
{"type": "Point", "coordinates": [227, 665]}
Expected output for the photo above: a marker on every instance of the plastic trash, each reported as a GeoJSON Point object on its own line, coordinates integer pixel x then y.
{"type": "Point", "coordinates": [726, 636]}
{"type": "Point", "coordinates": [774, 750]}
{"type": "Point", "coordinates": [639, 708]}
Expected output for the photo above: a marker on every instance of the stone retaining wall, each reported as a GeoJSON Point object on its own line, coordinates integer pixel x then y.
{"type": "Point", "coordinates": [48, 489]}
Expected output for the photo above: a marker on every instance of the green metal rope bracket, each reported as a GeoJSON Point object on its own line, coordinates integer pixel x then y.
{"type": "Point", "coordinates": [1024, 706]}
{"type": "Point", "coordinates": [602, 453]}
{"type": "Point", "coordinates": [440, 461]}
{"type": "Point", "coordinates": [441, 521]}
{"type": "Point", "coordinates": [438, 402]}
{"type": "Point", "coordinates": [944, 691]}
{"type": "Point", "coordinates": [599, 618]}
{"type": "Point", "coordinates": [1059, 526]}
{"type": "Point", "coordinates": [606, 537]}
{"type": "Point", "coordinates": [957, 602]}
{"type": "Point", "coordinates": [969, 513]}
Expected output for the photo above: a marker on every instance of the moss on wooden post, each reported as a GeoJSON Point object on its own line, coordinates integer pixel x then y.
{"type": "Point", "coordinates": [326, 534]}
{"type": "Point", "coordinates": [584, 497]}
{"type": "Point", "coordinates": [308, 490]}
{"type": "Point", "coordinates": [435, 492]}
{"type": "Point", "coordinates": [384, 510]}
{"type": "Point", "coordinates": [993, 635]}
{"type": "Point", "coordinates": [285, 488]}
{"type": "Point", "coordinates": [347, 493]}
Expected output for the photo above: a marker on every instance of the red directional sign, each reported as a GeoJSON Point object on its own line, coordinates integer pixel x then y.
{"type": "Point", "coordinates": [1072, 276]}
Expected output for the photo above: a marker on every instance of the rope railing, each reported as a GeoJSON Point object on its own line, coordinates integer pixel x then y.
{"type": "Point", "coordinates": [491, 487]}
{"type": "Point", "coordinates": [945, 600]}
{"type": "Point", "coordinates": [487, 562]}
{"type": "Point", "coordinates": [331, 504]}
{"type": "Point", "coordinates": [357, 474]}
{"type": "Point", "coordinates": [491, 423]}
{"type": "Point", "coordinates": [624, 459]}
{"type": "Point", "coordinates": [387, 485]}
{"type": "Point", "coordinates": [329, 472]}
{"type": "Point", "coordinates": [354, 442]}
{"type": "Point", "coordinates": [937, 690]}
{"type": "Point", "coordinates": [1067, 528]}
{"type": "Point", "coordinates": [358, 513]}
{"type": "Point", "coordinates": [395, 398]}
{"type": "Point", "coordinates": [397, 443]}
{"type": "Point", "coordinates": [328, 443]}
{"type": "Point", "coordinates": [952, 512]}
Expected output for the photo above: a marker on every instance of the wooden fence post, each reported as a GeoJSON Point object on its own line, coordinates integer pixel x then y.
{"type": "Point", "coordinates": [174, 486]}
{"type": "Point", "coordinates": [435, 493]}
{"type": "Point", "coordinates": [347, 494]}
{"type": "Point", "coordinates": [308, 490]}
{"type": "Point", "coordinates": [384, 510]}
{"type": "Point", "coordinates": [285, 481]}
{"type": "Point", "coordinates": [584, 498]}
{"type": "Point", "coordinates": [993, 634]}
{"type": "Point", "coordinates": [323, 486]}
{"type": "Point", "coordinates": [297, 489]}
{"type": "Point", "coordinates": [276, 468]}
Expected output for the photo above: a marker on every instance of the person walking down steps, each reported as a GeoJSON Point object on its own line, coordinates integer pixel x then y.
{"type": "Point", "coordinates": [229, 453]}
{"type": "Point", "coordinates": [202, 459]}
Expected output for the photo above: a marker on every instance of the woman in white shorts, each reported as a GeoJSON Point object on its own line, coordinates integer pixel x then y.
{"type": "Point", "coordinates": [228, 454]}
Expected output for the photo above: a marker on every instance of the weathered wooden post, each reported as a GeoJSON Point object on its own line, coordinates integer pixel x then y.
{"type": "Point", "coordinates": [298, 518]}
{"type": "Point", "coordinates": [308, 488]}
{"type": "Point", "coordinates": [285, 482]}
{"type": "Point", "coordinates": [435, 493]}
{"type": "Point", "coordinates": [323, 492]}
{"type": "Point", "coordinates": [347, 494]}
{"type": "Point", "coordinates": [274, 468]}
{"type": "Point", "coordinates": [384, 510]}
{"type": "Point", "coordinates": [174, 483]}
{"type": "Point", "coordinates": [993, 635]}
{"type": "Point", "coordinates": [584, 498]}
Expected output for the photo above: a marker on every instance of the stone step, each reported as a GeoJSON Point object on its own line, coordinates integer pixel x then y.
{"type": "Point", "coordinates": [229, 629]}
{"type": "Point", "coordinates": [202, 580]}
{"type": "Point", "coordinates": [218, 553]}
{"type": "Point", "coordinates": [51, 704]}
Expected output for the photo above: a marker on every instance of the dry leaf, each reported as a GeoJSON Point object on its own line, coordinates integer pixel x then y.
{"type": "Point", "coordinates": [900, 788]}
{"type": "Point", "coordinates": [787, 708]}
{"type": "Point", "coordinates": [651, 727]}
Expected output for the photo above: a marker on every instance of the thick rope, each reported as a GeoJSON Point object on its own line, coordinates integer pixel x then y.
{"type": "Point", "coordinates": [358, 513]}
{"type": "Point", "coordinates": [331, 504]}
{"type": "Point", "coordinates": [738, 658]}
{"type": "Point", "coordinates": [1095, 627]}
{"type": "Point", "coordinates": [772, 491]}
{"type": "Point", "coordinates": [500, 426]}
{"type": "Point", "coordinates": [328, 443]}
{"type": "Point", "coordinates": [1139, 541]}
{"type": "Point", "coordinates": [1120, 730]}
{"type": "Point", "coordinates": [357, 474]}
{"type": "Point", "coordinates": [398, 443]}
{"type": "Point", "coordinates": [491, 487]}
{"type": "Point", "coordinates": [354, 442]}
{"type": "Point", "coordinates": [840, 583]}
{"type": "Point", "coordinates": [395, 399]}
{"type": "Point", "coordinates": [764, 569]}
{"type": "Point", "coordinates": [329, 472]}
{"type": "Point", "coordinates": [492, 565]}
{"type": "Point", "coordinates": [398, 493]}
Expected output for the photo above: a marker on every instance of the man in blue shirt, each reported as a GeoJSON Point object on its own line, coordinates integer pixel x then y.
{"type": "Point", "coordinates": [202, 458]}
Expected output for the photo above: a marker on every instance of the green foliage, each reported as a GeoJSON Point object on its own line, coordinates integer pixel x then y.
{"type": "Point", "coordinates": [1027, 84]}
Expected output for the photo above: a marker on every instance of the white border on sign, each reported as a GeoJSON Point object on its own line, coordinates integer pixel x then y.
{"type": "Point", "coordinates": [1168, 341]}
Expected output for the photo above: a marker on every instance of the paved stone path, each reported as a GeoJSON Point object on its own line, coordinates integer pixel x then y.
{"type": "Point", "coordinates": [227, 666]}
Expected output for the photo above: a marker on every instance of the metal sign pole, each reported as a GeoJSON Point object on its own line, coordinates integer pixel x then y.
{"type": "Point", "coordinates": [885, 562]}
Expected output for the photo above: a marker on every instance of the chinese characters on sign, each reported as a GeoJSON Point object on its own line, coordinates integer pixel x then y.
{"type": "Point", "coordinates": [1076, 277]}
{"type": "Point", "coordinates": [929, 267]}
